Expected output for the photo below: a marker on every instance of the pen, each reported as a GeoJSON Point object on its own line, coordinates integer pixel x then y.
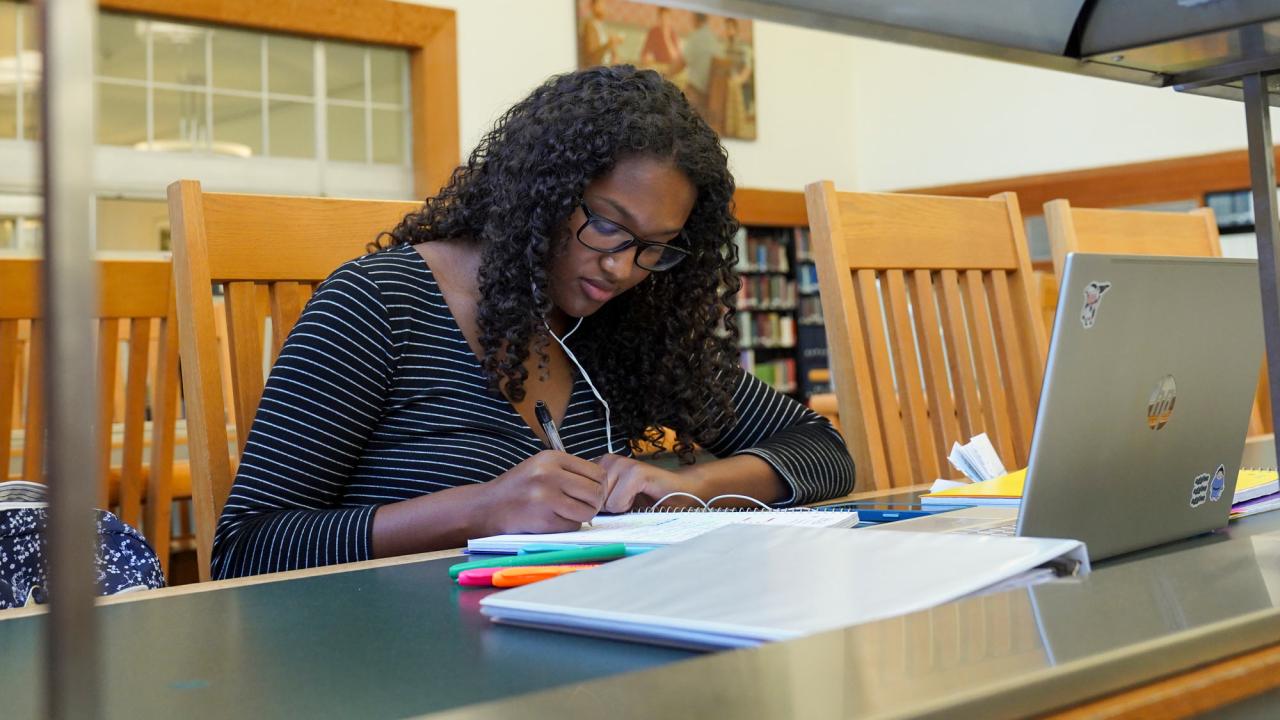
{"type": "Point", "coordinates": [541, 412]}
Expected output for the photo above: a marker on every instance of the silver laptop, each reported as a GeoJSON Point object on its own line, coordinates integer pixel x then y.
{"type": "Point", "coordinates": [1144, 409]}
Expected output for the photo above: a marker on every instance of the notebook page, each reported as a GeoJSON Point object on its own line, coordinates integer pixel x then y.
{"type": "Point", "coordinates": [658, 528]}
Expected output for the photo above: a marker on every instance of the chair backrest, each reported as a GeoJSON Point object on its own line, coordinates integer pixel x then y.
{"type": "Point", "coordinates": [1140, 232]}
{"type": "Point", "coordinates": [933, 330]}
{"type": "Point", "coordinates": [134, 313]}
{"type": "Point", "coordinates": [1129, 232]}
{"type": "Point", "coordinates": [244, 243]}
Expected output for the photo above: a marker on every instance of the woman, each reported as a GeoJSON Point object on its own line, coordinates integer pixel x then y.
{"type": "Point", "coordinates": [582, 257]}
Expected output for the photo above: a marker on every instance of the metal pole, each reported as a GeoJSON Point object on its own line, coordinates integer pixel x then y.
{"type": "Point", "coordinates": [68, 282]}
{"type": "Point", "coordinates": [1262, 171]}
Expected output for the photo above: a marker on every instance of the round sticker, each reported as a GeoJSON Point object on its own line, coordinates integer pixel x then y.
{"type": "Point", "coordinates": [1160, 404]}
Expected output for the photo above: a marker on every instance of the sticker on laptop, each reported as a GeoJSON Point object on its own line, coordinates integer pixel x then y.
{"type": "Point", "coordinates": [1218, 484]}
{"type": "Point", "coordinates": [1161, 401]}
{"type": "Point", "coordinates": [1199, 490]}
{"type": "Point", "coordinates": [1093, 293]}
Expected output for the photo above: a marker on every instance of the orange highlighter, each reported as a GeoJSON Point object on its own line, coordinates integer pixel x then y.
{"type": "Point", "coordinates": [514, 576]}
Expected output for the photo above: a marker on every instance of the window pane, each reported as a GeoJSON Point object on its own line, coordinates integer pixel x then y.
{"type": "Point", "coordinates": [346, 133]}
{"type": "Point", "coordinates": [237, 60]}
{"type": "Point", "coordinates": [122, 51]}
{"type": "Point", "coordinates": [138, 225]}
{"type": "Point", "coordinates": [388, 137]}
{"type": "Point", "coordinates": [237, 120]}
{"type": "Point", "coordinates": [293, 129]}
{"type": "Point", "coordinates": [289, 66]}
{"type": "Point", "coordinates": [122, 114]}
{"type": "Point", "coordinates": [31, 115]}
{"type": "Point", "coordinates": [177, 53]}
{"type": "Point", "coordinates": [179, 119]}
{"type": "Point", "coordinates": [8, 232]}
{"type": "Point", "coordinates": [344, 71]}
{"type": "Point", "coordinates": [32, 238]}
{"type": "Point", "coordinates": [387, 69]}
{"type": "Point", "coordinates": [8, 116]}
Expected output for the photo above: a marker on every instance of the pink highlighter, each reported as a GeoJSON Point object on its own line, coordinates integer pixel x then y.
{"type": "Point", "coordinates": [478, 577]}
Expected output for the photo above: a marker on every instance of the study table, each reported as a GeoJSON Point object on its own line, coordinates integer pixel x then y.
{"type": "Point", "coordinates": [394, 638]}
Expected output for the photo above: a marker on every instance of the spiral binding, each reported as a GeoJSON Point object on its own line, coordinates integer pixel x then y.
{"type": "Point", "coordinates": [705, 505]}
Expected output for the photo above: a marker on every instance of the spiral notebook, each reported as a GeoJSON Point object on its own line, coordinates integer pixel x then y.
{"type": "Point", "coordinates": [655, 529]}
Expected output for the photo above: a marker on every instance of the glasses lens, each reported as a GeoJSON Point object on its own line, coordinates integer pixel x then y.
{"type": "Point", "coordinates": [660, 257]}
{"type": "Point", "coordinates": [603, 235]}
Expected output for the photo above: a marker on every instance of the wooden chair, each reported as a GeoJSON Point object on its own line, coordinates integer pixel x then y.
{"type": "Point", "coordinates": [1138, 232]}
{"type": "Point", "coordinates": [934, 333]}
{"type": "Point", "coordinates": [135, 313]}
{"type": "Point", "coordinates": [243, 243]}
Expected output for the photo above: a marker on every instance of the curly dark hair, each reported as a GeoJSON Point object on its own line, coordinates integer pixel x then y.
{"type": "Point", "coordinates": [662, 354]}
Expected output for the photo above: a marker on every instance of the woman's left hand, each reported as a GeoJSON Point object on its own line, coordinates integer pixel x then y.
{"type": "Point", "coordinates": [635, 484]}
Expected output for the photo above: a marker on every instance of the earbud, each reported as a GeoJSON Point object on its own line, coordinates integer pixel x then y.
{"type": "Point", "coordinates": [608, 426]}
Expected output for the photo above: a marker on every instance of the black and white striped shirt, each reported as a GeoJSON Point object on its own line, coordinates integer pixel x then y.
{"type": "Point", "coordinates": [377, 397]}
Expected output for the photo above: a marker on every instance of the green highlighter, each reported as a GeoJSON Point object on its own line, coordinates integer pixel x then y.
{"type": "Point", "coordinates": [554, 557]}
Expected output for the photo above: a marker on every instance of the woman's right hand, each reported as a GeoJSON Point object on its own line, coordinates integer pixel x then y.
{"type": "Point", "coordinates": [552, 491]}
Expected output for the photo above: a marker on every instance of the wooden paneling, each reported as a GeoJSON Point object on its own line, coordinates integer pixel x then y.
{"type": "Point", "coordinates": [430, 35]}
{"type": "Point", "coordinates": [1185, 178]}
{"type": "Point", "coordinates": [778, 208]}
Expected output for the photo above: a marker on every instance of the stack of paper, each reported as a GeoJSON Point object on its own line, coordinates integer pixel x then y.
{"type": "Point", "coordinates": [1254, 488]}
{"type": "Point", "coordinates": [1257, 491]}
{"type": "Point", "coordinates": [742, 585]}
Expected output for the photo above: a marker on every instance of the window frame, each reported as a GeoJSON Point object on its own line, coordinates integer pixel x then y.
{"type": "Point", "coordinates": [429, 34]}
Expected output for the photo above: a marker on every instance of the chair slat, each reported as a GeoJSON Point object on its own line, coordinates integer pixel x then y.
{"type": "Point", "coordinates": [907, 368]}
{"type": "Point", "coordinates": [33, 423]}
{"type": "Point", "coordinates": [895, 440]}
{"type": "Point", "coordinates": [942, 406]}
{"type": "Point", "coordinates": [9, 349]}
{"type": "Point", "coordinates": [135, 419]}
{"type": "Point", "coordinates": [1008, 340]}
{"type": "Point", "coordinates": [108, 355]}
{"type": "Point", "coordinates": [968, 405]}
{"type": "Point", "coordinates": [164, 408]}
{"type": "Point", "coordinates": [244, 340]}
{"type": "Point", "coordinates": [994, 407]}
{"type": "Point", "coordinates": [286, 306]}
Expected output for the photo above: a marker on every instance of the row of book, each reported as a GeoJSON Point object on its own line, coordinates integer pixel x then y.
{"type": "Point", "coordinates": [767, 292]}
{"type": "Point", "coordinates": [766, 329]}
{"type": "Point", "coordinates": [811, 310]}
{"type": "Point", "coordinates": [780, 373]}
{"type": "Point", "coordinates": [807, 274]}
{"type": "Point", "coordinates": [763, 251]}
{"type": "Point", "coordinates": [804, 252]}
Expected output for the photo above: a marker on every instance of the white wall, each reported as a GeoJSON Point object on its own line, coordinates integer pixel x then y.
{"type": "Point", "coordinates": [866, 114]}
{"type": "Point", "coordinates": [805, 115]}
{"type": "Point", "coordinates": [929, 118]}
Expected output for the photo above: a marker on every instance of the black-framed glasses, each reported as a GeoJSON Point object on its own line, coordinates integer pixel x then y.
{"type": "Point", "coordinates": [604, 235]}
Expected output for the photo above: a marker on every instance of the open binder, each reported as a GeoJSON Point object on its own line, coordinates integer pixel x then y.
{"type": "Point", "coordinates": [743, 585]}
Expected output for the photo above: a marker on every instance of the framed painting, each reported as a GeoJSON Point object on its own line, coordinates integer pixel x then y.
{"type": "Point", "coordinates": [711, 58]}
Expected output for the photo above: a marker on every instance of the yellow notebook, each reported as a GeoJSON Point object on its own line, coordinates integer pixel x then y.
{"type": "Point", "coordinates": [1007, 489]}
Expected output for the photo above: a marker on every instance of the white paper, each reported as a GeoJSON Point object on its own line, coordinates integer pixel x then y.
{"type": "Point", "coordinates": [659, 528]}
{"type": "Point", "coordinates": [742, 585]}
{"type": "Point", "coordinates": [977, 459]}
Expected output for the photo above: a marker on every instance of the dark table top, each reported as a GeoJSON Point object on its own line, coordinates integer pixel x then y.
{"type": "Point", "coordinates": [404, 640]}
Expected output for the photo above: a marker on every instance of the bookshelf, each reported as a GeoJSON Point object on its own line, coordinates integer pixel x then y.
{"type": "Point", "coordinates": [778, 313]}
